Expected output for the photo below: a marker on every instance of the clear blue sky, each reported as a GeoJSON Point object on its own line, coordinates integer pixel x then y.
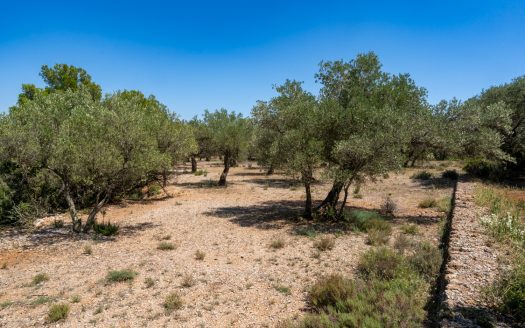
{"type": "Point", "coordinates": [196, 55]}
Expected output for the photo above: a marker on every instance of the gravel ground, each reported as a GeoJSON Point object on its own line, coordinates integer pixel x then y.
{"type": "Point", "coordinates": [241, 282]}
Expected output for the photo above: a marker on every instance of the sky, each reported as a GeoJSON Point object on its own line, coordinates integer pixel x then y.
{"type": "Point", "coordinates": [197, 55]}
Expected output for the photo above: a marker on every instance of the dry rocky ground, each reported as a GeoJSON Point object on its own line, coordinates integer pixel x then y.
{"type": "Point", "coordinates": [241, 281]}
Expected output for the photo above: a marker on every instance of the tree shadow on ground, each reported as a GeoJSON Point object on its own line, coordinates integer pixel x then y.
{"type": "Point", "coordinates": [435, 182]}
{"type": "Point", "coordinates": [209, 184]}
{"type": "Point", "coordinates": [49, 236]}
{"type": "Point", "coordinates": [479, 316]}
{"type": "Point", "coordinates": [250, 174]}
{"type": "Point", "coordinates": [287, 213]}
{"type": "Point", "coordinates": [275, 183]}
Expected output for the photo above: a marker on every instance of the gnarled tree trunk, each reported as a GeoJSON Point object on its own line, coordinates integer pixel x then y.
{"type": "Point", "coordinates": [224, 175]}
{"type": "Point", "coordinates": [76, 221]}
{"type": "Point", "coordinates": [308, 203]}
{"type": "Point", "coordinates": [94, 211]}
{"type": "Point", "coordinates": [270, 170]}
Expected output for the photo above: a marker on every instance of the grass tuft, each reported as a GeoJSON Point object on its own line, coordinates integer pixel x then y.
{"type": "Point", "coordinates": [172, 302]}
{"type": "Point", "coordinates": [58, 312]}
{"type": "Point", "coordinates": [120, 276]}
{"type": "Point", "coordinates": [39, 278]}
{"type": "Point", "coordinates": [166, 246]}
{"type": "Point", "coordinates": [326, 243]}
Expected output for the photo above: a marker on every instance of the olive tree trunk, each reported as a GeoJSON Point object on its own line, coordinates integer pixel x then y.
{"type": "Point", "coordinates": [224, 175]}
{"type": "Point", "coordinates": [193, 164]}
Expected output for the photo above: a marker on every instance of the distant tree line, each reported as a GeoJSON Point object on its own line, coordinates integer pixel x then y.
{"type": "Point", "coordinates": [69, 147]}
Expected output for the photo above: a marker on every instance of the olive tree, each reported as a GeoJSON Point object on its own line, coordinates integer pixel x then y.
{"type": "Point", "coordinates": [230, 134]}
{"type": "Point", "coordinates": [368, 128]}
{"type": "Point", "coordinates": [96, 149]}
{"type": "Point", "coordinates": [287, 126]}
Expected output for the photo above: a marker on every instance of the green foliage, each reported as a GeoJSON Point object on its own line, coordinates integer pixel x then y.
{"type": "Point", "coordinates": [484, 169]}
{"type": "Point", "coordinates": [382, 263]}
{"type": "Point", "coordinates": [41, 300]}
{"type": "Point", "coordinates": [362, 220]}
{"type": "Point", "coordinates": [120, 276]}
{"type": "Point", "coordinates": [508, 293]}
{"type": "Point", "coordinates": [425, 259]}
{"type": "Point", "coordinates": [71, 148]}
{"type": "Point", "coordinates": [106, 229]}
{"type": "Point", "coordinates": [277, 243]}
{"type": "Point", "coordinates": [58, 312]}
{"type": "Point", "coordinates": [282, 289]}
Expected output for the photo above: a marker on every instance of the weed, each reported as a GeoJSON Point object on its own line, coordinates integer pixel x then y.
{"type": "Point", "coordinates": [58, 312]}
{"type": "Point", "coordinates": [388, 207]}
{"type": "Point", "coordinates": [199, 255]}
{"type": "Point", "coordinates": [120, 276]}
{"type": "Point", "coordinates": [149, 282]}
{"type": "Point", "coordinates": [106, 229]}
{"type": "Point", "coordinates": [172, 302]}
{"type": "Point", "coordinates": [311, 233]}
{"type": "Point", "coordinates": [277, 243]}
{"type": "Point", "coordinates": [166, 246]}
{"type": "Point", "coordinates": [201, 172]}
{"type": "Point", "coordinates": [427, 203]}
{"type": "Point", "coordinates": [325, 243]}
{"type": "Point", "coordinates": [409, 229]}
{"type": "Point", "coordinates": [443, 205]}
{"type": "Point", "coordinates": [378, 237]}
{"type": "Point", "coordinates": [41, 300]}
{"type": "Point", "coordinates": [75, 299]}
{"type": "Point", "coordinates": [282, 289]}
{"type": "Point", "coordinates": [188, 281]}
{"type": "Point", "coordinates": [39, 278]}
{"type": "Point", "coordinates": [6, 304]}
{"type": "Point", "coordinates": [87, 250]}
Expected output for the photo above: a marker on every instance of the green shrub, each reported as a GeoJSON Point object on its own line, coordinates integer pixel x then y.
{"type": "Point", "coordinates": [172, 302]}
{"type": "Point", "coordinates": [450, 174]}
{"type": "Point", "coordinates": [361, 220]}
{"type": "Point", "coordinates": [58, 312]}
{"type": "Point", "coordinates": [427, 203]}
{"type": "Point", "coordinates": [120, 276]}
{"type": "Point", "coordinates": [382, 263]}
{"type": "Point", "coordinates": [422, 175]}
{"type": "Point", "coordinates": [106, 229]}
{"type": "Point", "coordinates": [39, 278]}
{"type": "Point", "coordinates": [41, 300]}
{"type": "Point", "coordinates": [166, 246]}
{"type": "Point", "coordinates": [425, 260]}
{"type": "Point", "coordinates": [325, 243]}
{"type": "Point", "coordinates": [509, 293]}
{"type": "Point", "coordinates": [330, 290]}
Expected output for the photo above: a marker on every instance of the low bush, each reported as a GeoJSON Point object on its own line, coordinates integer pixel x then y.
{"type": "Point", "coordinates": [172, 302]}
{"type": "Point", "coordinates": [443, 205]}
{"type": "Point", "coordinates": [329, 290]}
{"type": "Point", "coordinates": [361, 220]}
{"type": "Point", "coordinates": [106, 229]}
{"type": "Point", "coordinates": [120, 276]}
{"type": "Point", "coordinates": [201, 172]}
{"type": "Point", "coordinates": [422, 175]}
{"type": "Point", "coordinates": [149, 282]}
{"type": "Point", "coordinates": [425, 260]}
{"type": "Point", "coordinates": [58, 312]}
{"type": "Point", "coordinates": [381, 263]}
{"type": "Point", "coordinates": [188, 281]}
